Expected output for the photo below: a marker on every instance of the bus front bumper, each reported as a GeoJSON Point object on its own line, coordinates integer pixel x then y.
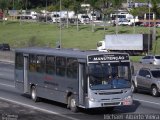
{"type": "Point", "coordinates": [92, 103]}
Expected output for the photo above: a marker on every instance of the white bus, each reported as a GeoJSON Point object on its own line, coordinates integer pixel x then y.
{"type": "Point", "coordinates": [85, 79]}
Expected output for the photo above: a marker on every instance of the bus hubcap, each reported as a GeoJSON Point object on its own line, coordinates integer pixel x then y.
{"type": "Point", "coordinates": [73, 103]}
{"type": "Point", "coordinates": [33, 94]}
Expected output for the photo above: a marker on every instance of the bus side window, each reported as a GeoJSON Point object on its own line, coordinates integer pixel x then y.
{"type": "Point", "coordinates": [72, 68]}
{"type": "Point", "coordinates": [19, 63]}
{"type": "Point", "coordinates": [60, 66]}
{"type": "Point", "coordinates": [32, 63]}
{"type": "Point", "coordinates": [50, 65]}
{"type": "Point", "coordinates": [40, 67]}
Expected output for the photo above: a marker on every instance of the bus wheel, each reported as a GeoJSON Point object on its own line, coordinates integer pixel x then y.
{"type": "Point", "coordinates": [72, 104]}
{"type": "Point", "coordinates": [34, 94]}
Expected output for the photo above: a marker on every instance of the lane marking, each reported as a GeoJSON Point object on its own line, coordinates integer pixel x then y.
{"type": "Point", "coordinates": [147, 101]}
{"type": "Point", "coordinates": [39, 109]}
{"type": "Point", "coordinates": [7, 85]}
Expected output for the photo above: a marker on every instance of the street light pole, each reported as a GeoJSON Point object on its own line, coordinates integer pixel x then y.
{"type": "Point", "coordinates": [26, 4]}
{"type": "Point", "coordinates": [46, 11]}
{"type": "Point", "coordinates": [149, 35]}
{"type": "Point", "coordinates": [60, 37]}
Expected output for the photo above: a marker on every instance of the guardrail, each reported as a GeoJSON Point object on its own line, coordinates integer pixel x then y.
{"type": "Point", "coordinates": [7, 56]}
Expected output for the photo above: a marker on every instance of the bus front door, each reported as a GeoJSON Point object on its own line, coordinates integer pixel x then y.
{"type": "Point", "coordinates": [25, 73]}
{"type": "Point", "coordinates": [82, 84]}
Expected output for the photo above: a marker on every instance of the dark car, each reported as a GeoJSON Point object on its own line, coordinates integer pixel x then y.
{"type": "Point", "coordinates": [138, 23]}
{"type": "Point", "coordinates": [4, 47]}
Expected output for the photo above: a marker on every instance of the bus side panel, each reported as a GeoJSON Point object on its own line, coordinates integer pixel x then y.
{"type": "Point", "coordinates": [19, 84]}
{"type": "Point", "coordinates": [51, 94]}
{"type": "Point", "coordinates": [53, 87]}
{"type": "Point", "coordinates": [35, 78]}
{"type": "Point", "coordinates": [58, 88]}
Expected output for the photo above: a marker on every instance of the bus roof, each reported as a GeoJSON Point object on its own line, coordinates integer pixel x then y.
{"type": "Point", "coordinates": [70, 52]}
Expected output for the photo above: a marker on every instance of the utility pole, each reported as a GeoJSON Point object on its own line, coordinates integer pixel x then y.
{"type": "Point", "coordinates": [60, 37]}
{"type": "Point", "coordinates": [13, 11]}
{"type": "Point", "coordinates": [26, 4]}
{"type": "Point", "coordinates": [46, 11]}
{"type": "Point", "coordinates": [149, 34]}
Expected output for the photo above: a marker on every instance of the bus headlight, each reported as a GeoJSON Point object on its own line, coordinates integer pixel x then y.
{"type": "Point", "coordinates": [92, 99]}
{"type": "Point", "coordinates": [127, 100]}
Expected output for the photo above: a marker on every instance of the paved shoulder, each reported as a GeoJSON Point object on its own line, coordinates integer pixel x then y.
{"type": "Point", "coordinates": [11, 111]}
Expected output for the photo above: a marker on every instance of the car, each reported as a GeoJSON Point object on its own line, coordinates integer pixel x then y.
{"type": "Point", "coordinates": [148, 24]}
{"type": "Point", "coordinates": [147, 79]}
{"type": "Point", "coordinates": [137, 24]}
{"type": "Point", "coordinates": [124, 22]}
{"type": "Point", "coordinates": [4, 47]}
{"type": "Point", "coordinates": [151, 59]}
{"type": "Point", "coordinates": [158, 24]}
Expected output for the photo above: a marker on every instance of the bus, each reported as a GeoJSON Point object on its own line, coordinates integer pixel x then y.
{"type": "Point", "coordinates": [79, 79]}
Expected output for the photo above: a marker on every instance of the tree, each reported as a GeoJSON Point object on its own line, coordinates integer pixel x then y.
{"type": "Point", "coordinates": [134, 12]}
{"type": "Point", "coordinates": [66, 4]}
{"type": "Point", "coordinates": [76, 8]}
{"type": "Point", "coordinates": [156, 11]}
{"type": "Point", "coordinates": [117, 4]}
{"type": "Point", "coordinates": [3, 5]}
{"type": "Point", "coordinates": [104, 6]}
{"type": "Point", "coordinates": [93, 4]}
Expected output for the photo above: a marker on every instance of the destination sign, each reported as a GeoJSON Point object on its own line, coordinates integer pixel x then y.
{"type": "Point", "coordinates": [108, 57]}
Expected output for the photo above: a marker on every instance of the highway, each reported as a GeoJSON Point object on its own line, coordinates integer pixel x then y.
{"type": "Point", "coordinates": [15, 104]}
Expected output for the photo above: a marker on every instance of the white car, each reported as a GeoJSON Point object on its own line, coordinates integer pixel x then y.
{"type": "Point", "coordinates": [124, 22]}
{"type": "Point", "coordinates": [151, 59]}
{"type": "Point", "coordinates": [158, 24]}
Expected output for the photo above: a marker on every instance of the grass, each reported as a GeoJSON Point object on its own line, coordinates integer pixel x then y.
{"type": "Point", "coordinates": [135, 58]}
{"type": "Point", "coordinates": [41, 34]}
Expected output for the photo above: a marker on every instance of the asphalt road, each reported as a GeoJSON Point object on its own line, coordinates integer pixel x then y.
{"type": "Point", "coordinates": [18, 106]}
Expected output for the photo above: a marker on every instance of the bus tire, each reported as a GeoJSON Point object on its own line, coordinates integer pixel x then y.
{"type": "Point", "coordinates": [34, 94]}
{"type": "Point", "coordinates": [72, 103]}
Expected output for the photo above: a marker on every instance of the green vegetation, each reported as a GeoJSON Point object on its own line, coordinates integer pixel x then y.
{"type": "Point", "coordinates": [135, 58]}
{"type": "Point", "coordinates": [41, 34]}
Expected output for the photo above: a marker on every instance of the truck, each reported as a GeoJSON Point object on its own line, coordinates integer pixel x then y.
{"type": "Point", "coordinates": [84, 18]}
{"type": "Point", "coordinates": [133, 44]}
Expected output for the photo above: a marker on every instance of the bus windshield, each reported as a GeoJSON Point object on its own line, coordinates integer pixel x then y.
{"type": "Point", "coordinates": [105, 76]}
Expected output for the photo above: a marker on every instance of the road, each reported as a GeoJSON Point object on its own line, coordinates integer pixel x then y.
{"type": "Point", "coordinates": [21, 107]}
